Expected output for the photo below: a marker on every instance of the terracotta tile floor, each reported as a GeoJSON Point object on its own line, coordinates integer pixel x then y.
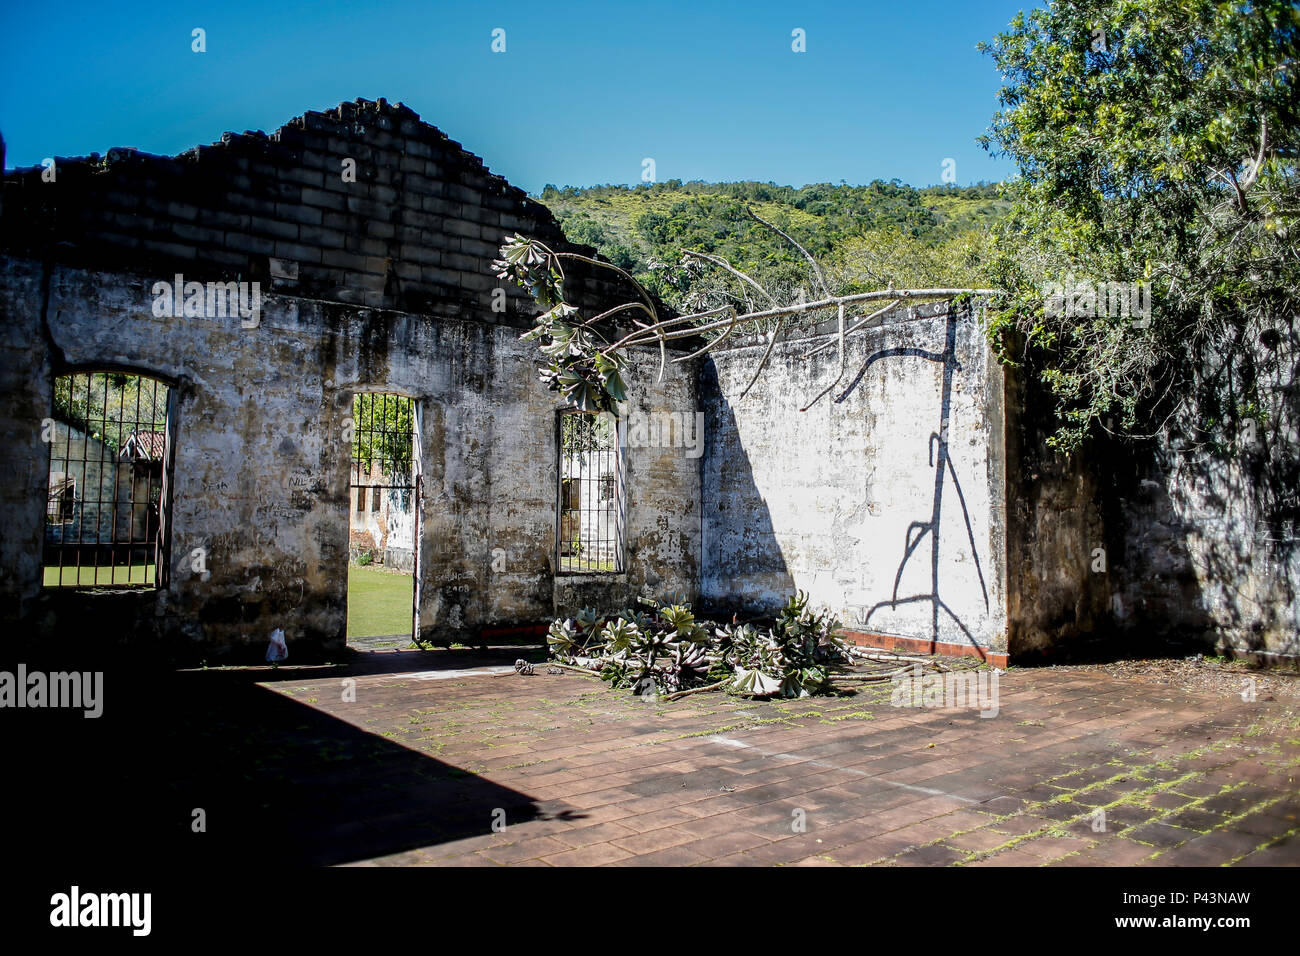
{"type": "Point", "coordinates": [1077, 769]}
{"type": "Point", "coordinates": [443, 759]}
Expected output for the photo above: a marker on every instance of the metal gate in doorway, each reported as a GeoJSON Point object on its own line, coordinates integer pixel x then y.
{"type": "Point", "coordinates": [385, 485]}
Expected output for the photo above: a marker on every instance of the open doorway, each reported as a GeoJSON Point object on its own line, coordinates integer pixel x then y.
{"type": "Point", "coordinates": [383, 506]}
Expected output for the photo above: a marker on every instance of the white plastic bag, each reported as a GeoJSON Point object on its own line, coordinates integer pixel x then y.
{"type": "Point", "coordinates": [278, 650]}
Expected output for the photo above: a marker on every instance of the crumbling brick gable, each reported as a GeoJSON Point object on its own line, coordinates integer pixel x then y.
{"type": "Point", "coordinates": [416, 232]}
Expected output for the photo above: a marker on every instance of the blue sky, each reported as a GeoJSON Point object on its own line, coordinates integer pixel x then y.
{"type": "Point", "coordinates": [583, 93]}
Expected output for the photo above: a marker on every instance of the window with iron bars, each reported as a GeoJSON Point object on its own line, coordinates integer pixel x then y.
{"type": "Point", "coordinates": [592, 503]}
{"type": "Point", "coordinates": [107, 510]}
{"type": "Point", "coordinates": [382, 445]}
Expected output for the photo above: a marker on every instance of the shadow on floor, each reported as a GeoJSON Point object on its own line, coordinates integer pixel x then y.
{"type": "Point", "coordinates": [278, 780]}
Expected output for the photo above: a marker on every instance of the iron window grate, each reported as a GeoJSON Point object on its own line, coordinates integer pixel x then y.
{"type": "Point", "coordinates": [591, 504]}
{"type": "Point", "coordinates": [109, 472]}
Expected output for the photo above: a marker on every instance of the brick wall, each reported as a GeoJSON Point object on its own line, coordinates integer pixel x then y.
{"type": "Point", "coordinates": [416, 231]}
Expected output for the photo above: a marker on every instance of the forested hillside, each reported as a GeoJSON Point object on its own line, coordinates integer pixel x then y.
{"type": "Point", "coordinates": [866, 236]}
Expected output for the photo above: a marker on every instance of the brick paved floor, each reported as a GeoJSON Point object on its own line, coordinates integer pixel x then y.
{"type": "Point", "coordinates": [1077, 769]}
{"type": "Point", "coordinates": [439, 746]}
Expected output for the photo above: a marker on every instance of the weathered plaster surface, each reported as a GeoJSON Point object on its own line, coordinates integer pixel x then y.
{"type": "Point", "coordinates": [828, 500]}
{"type": "Point", "coordinates": [261, 472]}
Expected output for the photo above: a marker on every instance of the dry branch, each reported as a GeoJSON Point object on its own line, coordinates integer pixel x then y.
{"type": "Point", "coordinates": [586, 370]}
{"type": "Point", "coordinates": [571, 667]}
{"type": "Point", "coordinates": [699, 690]}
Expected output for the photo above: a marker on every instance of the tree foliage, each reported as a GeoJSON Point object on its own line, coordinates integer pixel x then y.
{"type": "Point", "coordinates": [587, 367]}
{"type": "Point", "coordinates": [645, 229]}
{"type": "Point", "coordinates": [108, 406]}
{"type": "Point", "coordinates": [1157, 143]}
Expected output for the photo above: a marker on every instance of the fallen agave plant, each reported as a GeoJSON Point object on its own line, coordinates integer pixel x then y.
{"type": "Point", "coordinates": [664, 649]}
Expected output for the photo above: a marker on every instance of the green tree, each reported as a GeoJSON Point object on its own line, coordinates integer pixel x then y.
{"type": "Point", "coordinates": [647, 231]}
{"type": "Point", "coordinates": [384, 426]}
{"type": "Point", "coordinates": [1157, 143]}
{"type": "Point", "coordinates": [108, 406]}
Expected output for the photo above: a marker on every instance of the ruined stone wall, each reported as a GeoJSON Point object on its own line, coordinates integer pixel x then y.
{"type": "Point", "coordinates": [365, 204]}
{"type": "Point", "coordinates": [1210, 513]}
{"type": "Point", "coordinates": [388, 288]}
{"type": "Point", "coordinates": [831, 500]}
{"type": "Point", "coordinates": [1055, 525]}
{"type": "Point", "coordinates": [371, 235]}
{"type": "Point", "coordinates": [1176, 543]}
{"type": "Point", "coordinates": [1205, 561]}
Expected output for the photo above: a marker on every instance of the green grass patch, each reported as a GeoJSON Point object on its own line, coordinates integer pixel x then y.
{"type": "Point", "coordinates": [379, 602]}
{"type": "Point", "coordinates": [580, 565]}
{"type": "Point", "coordinates": [123, 574]}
